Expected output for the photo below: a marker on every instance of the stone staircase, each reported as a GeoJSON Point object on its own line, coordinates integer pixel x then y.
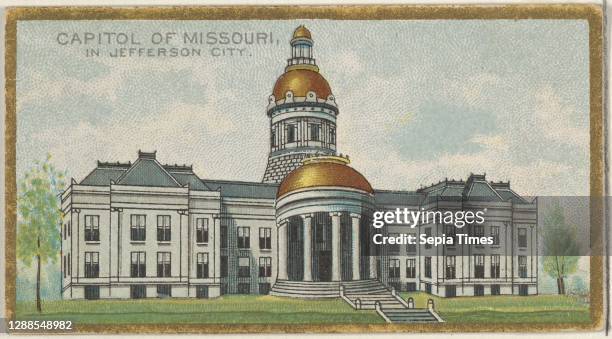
{"type": "Point", "coordinates": [389, 305]}
{"type": "Point", "coordinates": [323, 289]}
{"type": "Point", "coordinates": [361, 295]}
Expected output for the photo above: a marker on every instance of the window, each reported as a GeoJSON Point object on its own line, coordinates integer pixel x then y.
{"type": "Point", "coordinates": [450, 291]}
{"type": "Point", "coordinates": [393, 249]}
{"type": "Point", "coordinates": [495, 234]}
{"type": "Point", "coordinates": [163, 228]}
{"type": "Point", "coordinates": [244, 267]}
{"type": "Point", "coordinates": [451, 231]}
{"type": "Point", "coordinates": [244, 237]}
{"type": "Point", "coordinates": [265, 267]}
{"type": "Point", "coordinates": [332, 135]}
{"type": "Point", "coordinates": [410, 268]}
{"type": "Point", "coordinates": [495, 266]}
{"type": "Point", "coordinates": [394, 268]}
{"type": "Point", "coordinates": [428, 267]}
{"type": "Point", "coordinates": [138, 266]}
{"type": "Point", "coordinates": [411, 287]}
{"type": "Point", "coordinates": [495, 290]}
{"type": "Point", "coordinates": [223, 235]}
{"type": "Point", "coordinates": [478, 290]}
{"type": "Point", "coordinates": [273, 138]}
{"type": "Point", "coordinates": [522, 269]}
{"type": "Point", "coordinates": [163, 264]}
{"type": "Point", "coordinates": [65, 231]}
{"type": "Point", "coordinates": [428, 234]}
{"type": "Point", "coordinates": [65, 267]}
{"type": "Point", "coordinates": [92, 265]}
{"type": "Point", "coordinates": [202, 265]}
{"type": "Point", "coordinates": [69, 229]}
{"type": "Point", "coordinates": [523, 290]}
{"type": "Point", "coordinates": [164, 291]}
{"type": "Point", "coordinates": [478, 230]}
{"type": "Point", "coordinates": [138, 230]}
{"type": "Point", "coordinates": [428, 288]}
{"type": "Point", "coordinates": [479, 266]}
{"type": "Point", "coordinates": [69, 265]}
{"type": "Point", "coordinates": [412, 248]}
{"type": "Point", "coordinates": [522, 237]}
{"type": "Point", "coordinates": [92, 228]}
{"type": "Point", "coordinates": [450, 266]}
{"type": "Point", "coordinates": [264, 288]}
{"type": "Point", "coordinates": [201, 292]}
{"type": "Point", "coordinates": [315, 132]}
{"type": "Point", "coordinates": [201, 230]}
{"type": "Point", "coordinates": [291, 128]}
{"type": "Point", "coordinates": [265, 238]}
{"type": "Point", "coordinates": [244, 288]}
{"type": "Point", "coordinates": [92, 292]}
{"type": "Point", "coordinates": [138, 291]}
{"type": "Point", "coordinates": [224, 266]}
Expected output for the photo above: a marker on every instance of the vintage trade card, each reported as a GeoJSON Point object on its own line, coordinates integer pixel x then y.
{"type": "Point", "coordinates": [304, 169]}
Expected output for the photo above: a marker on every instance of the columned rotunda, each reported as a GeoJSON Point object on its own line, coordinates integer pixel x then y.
{"type": "Point", "coordinates": [322, 209]}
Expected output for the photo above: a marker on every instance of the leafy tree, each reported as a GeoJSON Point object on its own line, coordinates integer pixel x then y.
{"type": "Point", "coordinates": [560, 247]}
{"type": "Point", "coordinates": [38, 236]}
{"type": "Point", "coordinates": [578, 286]}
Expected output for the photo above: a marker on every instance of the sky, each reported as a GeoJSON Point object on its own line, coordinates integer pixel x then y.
{"type": "Point", "coordinates": [419, 100]}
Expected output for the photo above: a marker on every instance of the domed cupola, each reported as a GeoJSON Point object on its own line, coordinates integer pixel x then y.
{"type": "Point", "coordinates": [324, 172]}
{"type": "Point", "coordinates": [301, 80]}
{"type": "Point", "coordinates": [302, 110]}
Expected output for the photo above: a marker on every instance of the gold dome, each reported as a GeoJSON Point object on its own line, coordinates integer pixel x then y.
{"type": "Point", "coordinates": [302, 32]}
{"type": "Point", "coordinates": [300, 82]}
{"type": "Point", "coordinates": [328, 171]}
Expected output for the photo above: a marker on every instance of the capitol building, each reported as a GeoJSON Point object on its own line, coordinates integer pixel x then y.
{"type": "Point", "coordinates": [145, 229]}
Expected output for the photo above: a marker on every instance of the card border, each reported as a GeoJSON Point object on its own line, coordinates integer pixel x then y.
{"type": "Point", "coordinates": [593, 14]}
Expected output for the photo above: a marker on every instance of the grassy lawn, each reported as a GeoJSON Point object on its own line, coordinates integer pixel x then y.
{"type": "Point", "coordinates": [252, 309]}
{"type": "Point", "coordinates": [506, 309]}
{"type": "Point", "coordinates": [233, 309]}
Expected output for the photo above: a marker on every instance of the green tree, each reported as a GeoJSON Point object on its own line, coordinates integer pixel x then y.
{"type": "Point", "coordinates": [560, 246]}
{"type": "Point", "coordinates": [38, 231]}
{"type": "Point", "coordinates": [578, 286]}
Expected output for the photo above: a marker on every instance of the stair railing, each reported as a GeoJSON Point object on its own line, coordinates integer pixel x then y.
{"type": "Point", "coordinates": [380, 312]}
{"type": "Point", "coordinates": [398, 297]}
{"type": "Point", "coordinates": [432, 311]}
{"type": "Point", "coordinates": [410, 302]}
{"type": "Point", "coordinates": [346, 299]}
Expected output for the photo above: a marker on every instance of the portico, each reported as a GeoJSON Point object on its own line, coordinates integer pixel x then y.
{"type": "Point", "coordinates": [322, 224]}
{"type": "Point", "coordinates": [322, 246]}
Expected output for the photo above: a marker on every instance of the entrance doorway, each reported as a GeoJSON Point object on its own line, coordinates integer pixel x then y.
{"type": "Point", "coordinates": [324, 267]}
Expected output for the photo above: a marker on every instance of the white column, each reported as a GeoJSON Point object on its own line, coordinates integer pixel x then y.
{"type": "Point", "coordinates": [282, 250]}
{"type": "Point", "coordinates": [217, 247]}
{"type": "Point", "coordinates": [372, 266]}
{"type": "Point", "coordinates": [355, 245]}
{"type": "Point", "coordinates": [307, 247]}
{"type": "Point", "coordinates": [336, 249]}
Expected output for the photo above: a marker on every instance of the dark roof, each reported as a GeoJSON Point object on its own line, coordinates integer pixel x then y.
{"type": "Point", "coordinates": [145, 171]}
{"type": "Point", "coordinates": [475, 188]}
{"type": "Point", "coordinates": [508, 194]}
{"type": "Point", "coordinates": [243, 189]}
{"type": "Point", "coordinates": [102, 176]}
{"type": "Point", "coordinates": [148, 172]}
{"type": "Point", "coordinates": [194, 182]}
{"type": "Point", "coordinates": [406, 198]}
